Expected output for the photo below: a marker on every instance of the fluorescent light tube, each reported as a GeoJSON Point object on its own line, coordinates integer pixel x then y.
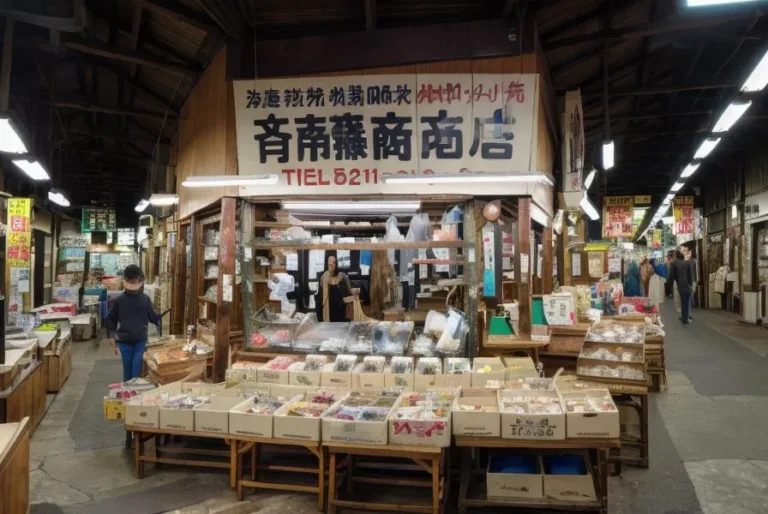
{"type": "Point", "coordinates": [677, 186]}
{"type": "Point", "coordinates": [689, 170]}
{"type": "Point", "coordinates": [589, 209]}
{"type": "Point", "coordinates": [33, 169]}
{"type": "Point", "coordinates": [590, 179]}
{"type": "Point", "coordinates": [230, 180]}
{"type": "Point", "coordinates": [706, 148]}
{"type": "Point", "coordinates": [758, 79]}
{"type": "Point", "coordinates": [730, 116]}
{"type": "Point", "coordinates": [353, 206]}
{"type": "Point", "coordinates": [58, 198]}
{"type": "Point", "coordinates": [705, 3]}
{"type": "Point", "coordinates": [141, 206]}
{"type": "Point", "coordinates": [466, 178]}
{"type": "Point", "coordinates": [161, 200]}
{"type": "Point", "coordinates": [10, 141]}
{"type": "Point", "coordinates": [609, 155]}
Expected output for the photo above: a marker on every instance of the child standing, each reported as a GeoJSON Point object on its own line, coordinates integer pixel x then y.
{"type": "Point", "coordinates": [128, 319]}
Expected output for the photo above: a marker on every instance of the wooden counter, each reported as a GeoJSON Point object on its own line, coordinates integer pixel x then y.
{"type": "Point", "coordinates": [14, 467]}
{"type": "Point", "coordinates": [25, 398]}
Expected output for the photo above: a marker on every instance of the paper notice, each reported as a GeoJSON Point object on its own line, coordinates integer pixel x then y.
{"type": "Point", "coordinates": [292, 261]}
{"type": "Point", "coordinates": [227, 289]}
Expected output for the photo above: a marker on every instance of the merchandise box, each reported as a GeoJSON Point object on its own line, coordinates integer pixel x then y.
{"type": "Point", "coordinates": [213, 417]}
{"type": "Point", "coordinates": [501, 483]}
{"type": "Point", "coordinates": [366, 381]}
{"type": "Point", "coordinates": [242, 422]}
{"type": "Point", "coordinates": [201, 388]}
{"type": "Point", "coordinates": [177, 419]}
{"type": "Point", "coordinates": [424, 382]}
{"type": "Point", "coordinates": [600, 418]}
{"type": "Point", "coordinates": [454, 380]}
{"type": "Point", "coordinates": [568, 487]}
{"type": "Point", "coordinates": [113, 409]}
{"type": "Point", "coordinates": [273, 376]}
{"type": "Point", "coordinates": [148, 416]}
{"type": "Point", "coordinates": [297, 375]}
{"type": "Point", "coordinates": [519, 367]}
{"type": "Point", "coordinates": [355, 432]}
{"type": "Point", "coordinates": [339, 379]}
{"type": "Point", "coordinates": [296, 427]}
{"type": "Point", "coordinates": [485, 369]}
{"type": "Point", "coordinates": [477, 423]}
{"type": "Point", "coordinates": [531, 425]}
{"type": "Point", "coordinates": [287, 391]}
{"type": "Point", "coordinates": [404, 380]}
{"type": "Point", "coordinates": [418, 432]}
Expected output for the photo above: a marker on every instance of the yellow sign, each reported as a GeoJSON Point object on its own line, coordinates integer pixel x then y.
{"type": "Point", "coordinates": [617, 216]}
{"type": "Point", "coordinates": [683, 210]}
{"type": "Point", "coordinates": [19, 241]}
{"type": "Point", "coordinates": [642, 199]}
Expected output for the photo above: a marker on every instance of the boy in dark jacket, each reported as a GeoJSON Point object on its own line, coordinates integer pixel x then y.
{"type": "Point", "coordinates": [128, 319]}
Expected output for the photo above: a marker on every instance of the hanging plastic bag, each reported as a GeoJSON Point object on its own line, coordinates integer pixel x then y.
{"type": "Point", "coordinates": [392, 234]}
{"type": "Point", "coordinates": [454, 335]}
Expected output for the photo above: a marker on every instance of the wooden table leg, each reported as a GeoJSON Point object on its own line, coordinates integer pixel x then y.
{"type": "Point", "coordinates": [158, 443]}
{"type": "Point", "coordinates": [321, 479]}
{"type": "Point", "coordinates": [254, 461]}
{"type": "Point", "coordinates": [332, 484]}
{"type": "Point", "coordinates": [138, 452]}
{"type": "Point", "coordinates": [240, 473]}
{"type": "Point", "coordinates": [350, 471]}
{"type": "Point", "coordinates": [436, 484]}
{"type": "Point", "coordinates": [602, 467]}
{"type": "Point", "coordinates": [464, 477]}
{"type": "Point", "coordinates": [644, 418]}
{"type": "Point", "coordinates": [233, 458]}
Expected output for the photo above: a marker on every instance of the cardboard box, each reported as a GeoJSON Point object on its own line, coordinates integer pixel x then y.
{"type": "Point", "coordinates": [519, 367]}
{"type": "Point", "coordinates": [113, 409]}
{"type": "Point", "coordinates": [424, 382]}
{"type": "Point", "coordinates": [481, 374]}
{"type": "Point", "coordinates": [177, 419]}
{"type": "Point", "coordinates": [287, 391]}
{"type": "Point", "coordinates": [201, 388]}
{"type": "Point", "coordinates": [477, 424]}
{"type": "Point", "coordinates": [295, 427]}
{"type": "Point", "coordinates": [297, 375]}
{"type": "Point", "coordinates": [417, 432]}
{"type": "Point", "coordinates": [330, 378]}
{"type": "Point", "coordinates": [515, 485]}
{"type": "Point", "coordinates": [355, 432]}
{"type": "Point", "coordinates": [404, 380]}
{"type": "Point", "coordinates": [148, 416]}
{"type": "Point", "coordinates": [454, 380]}
{"type": "Point", "coordinates": [274, 376]}
{"type": "Point", "coordinates": [532, 426]}
{"type": "Point", "coordinates": [213, 417]}
{"type": "Point", "coordinates": [366, 381]}
{"type": "Point", "coordinates": [570, 488]}
{"type": "Point", "coordinates": [241, 422]}
{"type": "Point", "coordinates": [591, 425]}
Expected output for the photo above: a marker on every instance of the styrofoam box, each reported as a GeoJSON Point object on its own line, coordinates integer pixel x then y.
{"type": "Point", "coordinates": [356, 432]}
{"type": "Point", "coordinates": [532, 426]}
{"type": "Point", "coordinates": [213, 416]}
{"type": "Point", "coordinates": [330, 378]}
{"type": "Point", "coordinates": [242, 422]}
{"type": "Point", "coordinates": [148, 416]}
{"type": "Point", "coordinates": [600, 425]}
{"type": "Point", "coordinates": [497, 371]}
{"type": "Point", "coordinates": [297, 375]}
{"type": "Point", "coordinates": [571, 488]}
{"type": "Point", "coordinates": [366, 381]}
{"type": "Point", "coordinates": [515, 485]}
{"type": "Point", "coordinates": [519, 367]}
{"type": "Point", "coordinates": [477, 424]}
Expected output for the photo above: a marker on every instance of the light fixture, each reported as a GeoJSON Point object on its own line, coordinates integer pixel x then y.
{"type": "Point", "coordinates": [141, 206]}
{"type": "Point", "coordinates": [590, 179]}
{"type": "Point", "coordinates": [706, 148]}
{"type": "Point", "coordinates": [10, 141]}
{"type": "Point", "coordinates": [669, 197]}
{"type": "Point", "coordinates": [162, 200]}
{"type": "Point", "coordinates": [609, 155]}
{"type": "Point", "coordinates": [33, 169]}
{"type": "Point", "coordinates": [353, 206]}
{"type": "Point", "coordinates": [230, 180]}
{"type": "Point", "coordinates": [589, 209]}
{"type": "Point", "coordinates": [58, 198]}
{"type": "Point", "coordinates": [730, 116]}
{"type": "Point", "coordinates": [669, 220]}
{"type": "Point", "coordinates": [758, 79]}
{"type": "Point", "coordinates": [467, 178]}
{"type": "Point", "coordinates": [689, 170]}
{"type": "Point", "coordinates": [677, 186]}
{"type": "Point", "coordinates": [705, 3]}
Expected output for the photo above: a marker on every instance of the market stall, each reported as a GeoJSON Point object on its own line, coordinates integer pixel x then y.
{"type": "Point", "coordinates": [14, 466]}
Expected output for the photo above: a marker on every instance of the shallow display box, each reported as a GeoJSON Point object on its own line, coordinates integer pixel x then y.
{"type": "Point", "coordinates": [485, 369]}
{"type": "Point", "coordinates": [418, 432]}
{"type": "Point", "coordinates": [355, 432]}
{"type": "Point", "coordinates": [177, 419]}
{"type": "Point", "coordinates": [516, 483]}
{"type": "Point", "coordinates": [296, 427]}
{"type": "Point", "coordinates": [423, 382]}
{"type": "Point", "coordinates": [286, 391]}
{"type": "Point", "coordinates": [297, 375]}
{"type": "Point", "coordinates": [532, 426]}
{"type": "Point", "coordinates": [339, 379]}
{"type": "Point", "coordinates": [476, 423]}
{"type": "Point", "coordinates": [367, 381]}
{"type": "Point", "coordinates": [579, 487]}
{"type": "Point", "coordinates": [603, 424]}
{"type": "Point", "coordinates": [454, 380]}
{"type": "Point", "coordinates": [201, 388]}
{"type": "Point", "coordinates": [242, 422]}
{"type": "Point", "coordinates": [519, 367]}
{"type": "Point", "coordinates": [273, 376]}
{"type": "Point", "coordinates": [148, 416]}
{"type": "Point", "coordinates": [213, 416]}
{"type": "Point", "coordinates": [404, 380]}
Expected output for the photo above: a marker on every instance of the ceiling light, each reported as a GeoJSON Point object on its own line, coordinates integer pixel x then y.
{"type": "Point", "coordinates": [609, 157]}
{"type": "Point", "coordinates": [58, 198]}
{"type": "Point", "coordinates": [706, 148]}
{"type": "Point", "coordinates": [33, 169]}
{"type": "Point", "coordinates": [230, 180]}
{"type": "Point", "coordinates": [589, 209]}
{"type": "Point", "coordinates": [141, 206]}
{"type": "Point", "coordinates": [689, 170]}
{"type": "Point", "coordinates": [758, 79]}
{"type": "Point", "coordinates": [161, 200]}
{"type": "Point", "coordinates": [730, 116]}
{"type": "Point", "coordinates": [10, 141]}
{"type": "Point", "coordinates": [353, 206]}
{"type": "Point", "coordinates": [590, 178]}
{"type": "Point", "coordinates": [466, 178]}
{"type": "Point", "coordinates": [704, 3]}
{"type": "Point", "coordinates": [677, 186]}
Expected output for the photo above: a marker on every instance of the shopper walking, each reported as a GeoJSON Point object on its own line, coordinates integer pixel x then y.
{"type": "Point", "coordinates": [681, 274]}
{"type": "Point", "coordinates": [128, 319]}
{"type": "Point", "coordinates": [694, 264]}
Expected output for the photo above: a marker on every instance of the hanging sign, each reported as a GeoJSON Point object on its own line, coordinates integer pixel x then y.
{"type": "Point", "coordinates": [317, 134]}
{"type": "Point", "coordinates": [126, 236]}
{"type": "Point", "coordinates": [97, 219]}
{"type": "Point", "coordinates": [18, 258]}
{"type": "Point", "coordinates": [642, 199]}
{"type": "Point", "coordinates": [617, 216]}
{"type": "Point", "coordinates": [573, 142]}
{"type": "Point", "coordinates": [489, 261]}
{"type": "Point", "coordinates": [683, 210]}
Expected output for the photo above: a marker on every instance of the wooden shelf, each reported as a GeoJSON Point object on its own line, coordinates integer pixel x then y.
{"type": "Point", "coordinates": [373, 227]}
{"type": "Point", "coordinates": [205, 299]}
{"type": "Point", "coordinates": [393, 245]}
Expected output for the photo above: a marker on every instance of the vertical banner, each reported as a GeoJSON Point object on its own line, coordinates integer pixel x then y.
{"type": "Point", "coordinates": [618, 212]}
{"type": "Point", "coordinates": [573, 142]}
{"type": "Point", "coordinates": [683, 210]}
{"type": "Point", "coordinates": [18, 258]}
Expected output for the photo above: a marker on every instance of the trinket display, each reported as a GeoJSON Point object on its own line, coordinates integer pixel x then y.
{"type": "Point", "coordinates": [373, 364]}
{"type": "Point", "coordinates": [273, 330]}
{"type": "Point", "coordinates": [423, 345]}
{"type": "Point", "coordinates": [590, 405]}
{"type": "Point", "coordinates": [401, 365]}
{"type": "Point", "coordinates": [279, 363]}
{"type": "Point", "coordinates": [359, 418]}
{"type": "Point", "coordinates": [359, 337]}
{"type": "Point", "coordinates": [622, 372]}
{"type": "Point", "coordinates": [423, 418]}
{"type": "Point", "coordinates": [457, 366]}
{"type": "Point", "coordinates": [327, 337]}
{"type": "Point", "coordinates": [614, 351]}
{"type": "Point", "coordinates": [590, 413]}
{"type": "Point", "coordinates": [451, 341]}
{"type": "Point", "coordinates": [531, 414]}
{"type": "Point", "coordinates": [344, 363]}
{"type": "Point", "coordinates": [315, 362]}
{"type": "Point", "coordinates": [527, 403]}
{"type": "Point", "coordinates": [429, 366]}
{"type": "Point", "coordinates": [616, 332]}
{"type": "Point", "coordinates": [391, 337]}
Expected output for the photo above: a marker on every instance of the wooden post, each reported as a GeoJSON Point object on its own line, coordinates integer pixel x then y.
{"type": "Point", "coordinates": [5, 73]}
{"type": "Point", "coordinates": [227, 281]}
{"type": "Point", "coordinates": [523, 265]}
{"type": "Point", "coordinates": [472, 249]}
{"type": "Point", "coordinates": [546, 260]}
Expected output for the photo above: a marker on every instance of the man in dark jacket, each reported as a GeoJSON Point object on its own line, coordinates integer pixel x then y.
{"type": "Point", "coordinates": [681, 272]}
{"type": "Point", "coordinates": [128, 319]}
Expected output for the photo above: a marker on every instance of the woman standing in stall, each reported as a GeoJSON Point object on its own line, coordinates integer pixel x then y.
{"type": "Point", "coordinates": [334, 294]}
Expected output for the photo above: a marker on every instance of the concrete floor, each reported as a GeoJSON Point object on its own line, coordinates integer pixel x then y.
{"type": "Point", "coordinates": [709, 449]}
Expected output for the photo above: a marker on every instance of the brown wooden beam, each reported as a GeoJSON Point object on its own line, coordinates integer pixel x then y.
{"type": "Point", "coordinates": [97, 48]}
{"type": "Point", "coordinates": [138, 86]}
{"type": "Point", "coordinates": [370, 14]}
{"type": "Point", "coordinates": [547, 271]}
{"type": "Point", "coordinates": [177, 12]}
{"type": "Point", "coordinates": [74, 24]}
{"type": "Point", "coordinates": [5, 72]}
{"type": "Point", "coordinates": [109, 155]}
{"type": "Point", "coordinates": [226, 267]}
{"type": "Point", "coordinates": [656, 90]}
{"type": "Point", "coordinates": [85, 105]}
{"type": "Point", "coordinates": [523, 280]}
{"type": "Point", "coordinates": [648, 116]}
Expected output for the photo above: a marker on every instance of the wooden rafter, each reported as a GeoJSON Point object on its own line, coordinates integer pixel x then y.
{"type": "Point", "coordinates": [86, 105]}
{"type": "Point", "coordinates": [370, 14]}
{"type": "Point", "coordinates": [178, 12]}
{"type": "Point", "coordinates": [99, 49]}
{"type": "Point", "coordinates": [103, 133]}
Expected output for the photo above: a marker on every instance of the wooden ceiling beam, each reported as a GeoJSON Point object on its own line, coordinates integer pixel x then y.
{"type": "Point", "coordinates": [370, 14]}
{"type": "Point", "coordinates": [100, 49]}
{"type": "Point", "coordinates": [176, 11]}
{"type": "Point", "coordinates": [138, 86]}
{"type": "Point", "coordinates": [655, 90]}
{"type": "Point", "coordinates": [85, 105]}
{"type": "Point", "coordinates": [648, 116]}
{"type": "Point", "coordinates": [108, 155]}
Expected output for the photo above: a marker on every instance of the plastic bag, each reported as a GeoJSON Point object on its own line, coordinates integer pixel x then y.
{"type": "Point", "coordinates": [392, 234]}
{"type": "Point", "coordinates": [454, 335]}
{"type": "Point", "coordinates": [391, 337]}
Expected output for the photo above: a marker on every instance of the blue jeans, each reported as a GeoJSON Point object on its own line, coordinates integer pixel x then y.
{"type": "Point", "coordinates": [685, 306]}
{"type": "Point", "coordinates": [133, 356]}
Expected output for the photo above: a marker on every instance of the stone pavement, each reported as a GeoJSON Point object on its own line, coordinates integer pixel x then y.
{"type": "Point", "coordinates": [709, 449]}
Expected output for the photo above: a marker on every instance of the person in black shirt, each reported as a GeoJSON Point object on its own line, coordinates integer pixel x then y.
{"type": "Point", "coordinates": [681, 273]}
{"type": "Point", "coordinates": [334, 293]}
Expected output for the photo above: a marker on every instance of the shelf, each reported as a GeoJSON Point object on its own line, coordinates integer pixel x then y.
{"type": "Point", "coordinates": [206, 299]}
{"type": "Point", "coordinates": [393, 245]}
{"type": "Point", "coordinates": [373, 227]}
{"type": "Point", "coordinates": [210, 278]}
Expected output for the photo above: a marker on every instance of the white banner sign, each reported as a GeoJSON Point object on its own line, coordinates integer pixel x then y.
{"type": "Point", "coordinates": [317, 134]}
{"type": "Point", "coordinates": [573, 142]}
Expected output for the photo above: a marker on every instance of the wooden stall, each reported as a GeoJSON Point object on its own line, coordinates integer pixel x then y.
{"type": "Point", "coordinates": [14, 467]}
{"type": "Point", "coordinates": [25, 397]}
{"type": "Point", "coordinates": [56, 348]}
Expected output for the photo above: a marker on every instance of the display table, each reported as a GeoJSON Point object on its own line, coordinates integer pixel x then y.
{"type": "Point", "coordinates": [25, 398]}
{"type": "Point", "coordinates": [57, 358]}
{"type": "Point", "coordinates": [14, 467]}
{"type": "Point", "coordinates": [598, 448]}
{"type": "Point", "coordinates": [252, 445]}
{"type": "Point", "coordinates": [433, 460]}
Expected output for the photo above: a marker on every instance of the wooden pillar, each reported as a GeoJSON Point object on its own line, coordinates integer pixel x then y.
{"type": "Point", "coordinates": [546, 260]}
{"type": "Point", "coordinates": [472, 257]}
{"type": "Point", "coordinates": [5, 72]}
{"type": "Point", "coordinates": [523, 265]}
{"type": "Point", "coordinates": [226, 289]}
